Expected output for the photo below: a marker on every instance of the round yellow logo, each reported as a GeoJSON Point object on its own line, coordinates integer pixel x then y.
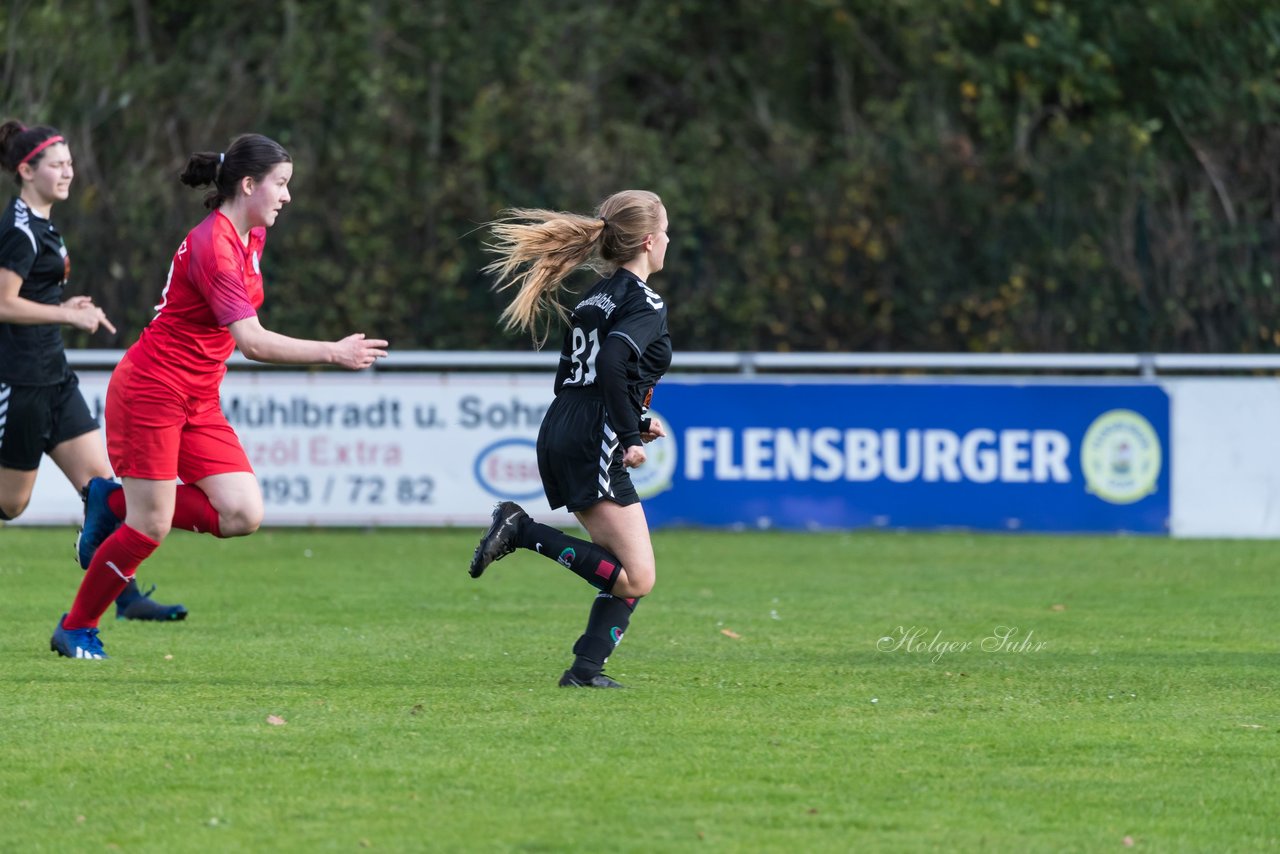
{"type": "Point", "coordinates": [1121, 457]}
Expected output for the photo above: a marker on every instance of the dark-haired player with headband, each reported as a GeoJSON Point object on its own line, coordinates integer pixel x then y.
{"type": "Point", "coordinates": [163, 415]}
{"type": "Point", "coordinates": [42, 410]}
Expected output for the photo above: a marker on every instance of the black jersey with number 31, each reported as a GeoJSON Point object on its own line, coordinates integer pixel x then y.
{"type": "Point", "coordinates": [624, 308]}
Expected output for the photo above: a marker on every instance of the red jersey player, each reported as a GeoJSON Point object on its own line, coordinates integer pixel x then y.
{"type": "Point", "coordinates": [163, 416]}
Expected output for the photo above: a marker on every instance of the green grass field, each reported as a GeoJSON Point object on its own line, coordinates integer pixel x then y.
{"type": "Point", "coordinates": [1136, 704]}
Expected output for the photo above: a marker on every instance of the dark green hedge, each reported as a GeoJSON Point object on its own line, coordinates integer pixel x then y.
{"type": "Point", "coordinates": [970, 175]}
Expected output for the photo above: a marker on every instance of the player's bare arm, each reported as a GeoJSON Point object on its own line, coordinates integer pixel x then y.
{"type": "Point", "coordinates": [355, 352]}
{"type": "Point", "coordinates": [79, 312]}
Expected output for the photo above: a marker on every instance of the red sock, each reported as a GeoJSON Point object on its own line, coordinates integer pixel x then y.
{"type": "Point", "coordinates": [112, 566]}
{"type": "Point", "coordinates": [193, 512]}
{"type": "Point", "coordinates": [115, 503]}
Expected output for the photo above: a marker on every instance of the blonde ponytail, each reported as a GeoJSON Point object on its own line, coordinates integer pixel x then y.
{"type": "Point", "coordinates": [538, 249]}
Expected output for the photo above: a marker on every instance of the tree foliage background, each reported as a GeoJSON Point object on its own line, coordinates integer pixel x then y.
{"type": "Point", "coordinates": [954, 175]}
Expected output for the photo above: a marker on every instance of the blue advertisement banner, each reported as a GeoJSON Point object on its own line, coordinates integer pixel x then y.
{"type": "Point", "coordinates": [995, 457]}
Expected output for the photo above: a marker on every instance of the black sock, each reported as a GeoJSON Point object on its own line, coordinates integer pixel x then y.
{"type": "Point", "coordinates": [609, 618]}
{"type": "Point", "coordinates": [595, 565]}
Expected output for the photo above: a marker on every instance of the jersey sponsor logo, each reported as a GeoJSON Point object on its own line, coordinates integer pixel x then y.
{"type": "Point", "coordinates": [659, 467]}
{"type": "Point", "coordinates": [66, 261]}
{"type": "Point", "coordinates": [601, 301]}
{"type": "Point", "coordinates": [1121, 457]}
{"type": "Point", "coordinates": [828, 454]}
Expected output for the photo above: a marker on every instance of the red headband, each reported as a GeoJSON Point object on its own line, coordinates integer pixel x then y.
{"type": "Point", "coordinates": [41, 147]}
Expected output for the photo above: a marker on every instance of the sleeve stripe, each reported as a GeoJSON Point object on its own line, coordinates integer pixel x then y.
{"type": "Point", "coordinates": [625, 337]}
{"type": "Point", "coordinates": [26, 229]}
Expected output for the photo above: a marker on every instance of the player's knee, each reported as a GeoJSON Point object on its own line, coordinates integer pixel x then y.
{"type": "Point", "coordinates": [12, 509]}
{"type": "Point", "coordinates": [241, 521]}
{"type": "Point", "coordinates": [638, 591]}
{"type": "Point", "coordinates": [153, 527]}
{"type": "Point", "coordinates": [636, 583]}
{"type": "Point", "coordinates": [250, 523]}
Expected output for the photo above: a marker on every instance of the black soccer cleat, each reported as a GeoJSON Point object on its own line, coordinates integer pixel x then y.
{"type": "Point", "coordinates": [568, 680]}
{"type": "Point", "coordinates": [500, 540]}
{"type": "Point", "coordinates": [134, 604]}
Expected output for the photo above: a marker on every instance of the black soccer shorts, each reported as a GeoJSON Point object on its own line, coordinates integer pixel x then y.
{"type": "Point", "coordinates": [579, 457]}
{"type": "Point", "coordinates": [35, 419]}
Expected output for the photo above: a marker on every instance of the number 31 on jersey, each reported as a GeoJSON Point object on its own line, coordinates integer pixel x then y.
{"type": "Point", "coordinates": [585, 347]}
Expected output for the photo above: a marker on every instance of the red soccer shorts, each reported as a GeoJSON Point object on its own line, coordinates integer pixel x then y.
{"type": "Point", "coordinates": [155, 432]}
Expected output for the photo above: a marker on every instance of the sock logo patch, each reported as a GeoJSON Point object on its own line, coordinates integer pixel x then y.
{"type": "Point", "coordinates": [605, 570]}
{"type": "Point", "coordinates": [117, 571]}
{"type": "Point", "coordinates": [616, 633]}
{"type": "Point", "coordinates": [567, 556]}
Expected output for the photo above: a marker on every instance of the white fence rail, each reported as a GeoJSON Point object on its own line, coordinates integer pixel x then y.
{"type": "Point", "coordinates": [1147, 365]}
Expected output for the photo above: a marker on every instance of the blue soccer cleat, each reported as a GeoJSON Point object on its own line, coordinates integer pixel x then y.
{"type": "Point", "coordinates": [76, 643]}
{"type": "Point", "coordinates": [99, 521]}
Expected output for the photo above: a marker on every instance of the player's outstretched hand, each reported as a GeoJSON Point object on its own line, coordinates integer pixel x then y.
{"type": "Point", "coordinates": [355, 352]}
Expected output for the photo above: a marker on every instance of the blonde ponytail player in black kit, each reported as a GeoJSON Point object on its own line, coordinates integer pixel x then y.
{"type": "Point", "coordinates": [615, 349]}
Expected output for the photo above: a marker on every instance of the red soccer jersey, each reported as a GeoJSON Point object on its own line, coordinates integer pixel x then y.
{"type": "Point", "coordinates": [214, 281]}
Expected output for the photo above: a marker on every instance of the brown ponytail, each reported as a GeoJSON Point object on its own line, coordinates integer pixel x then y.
{"type": "Point", "coordinates": [17, 142]}
{"type": "Point", "coordinates": [250, 155]}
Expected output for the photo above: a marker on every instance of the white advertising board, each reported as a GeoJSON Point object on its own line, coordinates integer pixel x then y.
{"type": "Point", "coordinates": [441, 448]}
{"type": "Point", "coordinates": [367, 449]}
{"type": "Point", "coordinates": [1226, 458]}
